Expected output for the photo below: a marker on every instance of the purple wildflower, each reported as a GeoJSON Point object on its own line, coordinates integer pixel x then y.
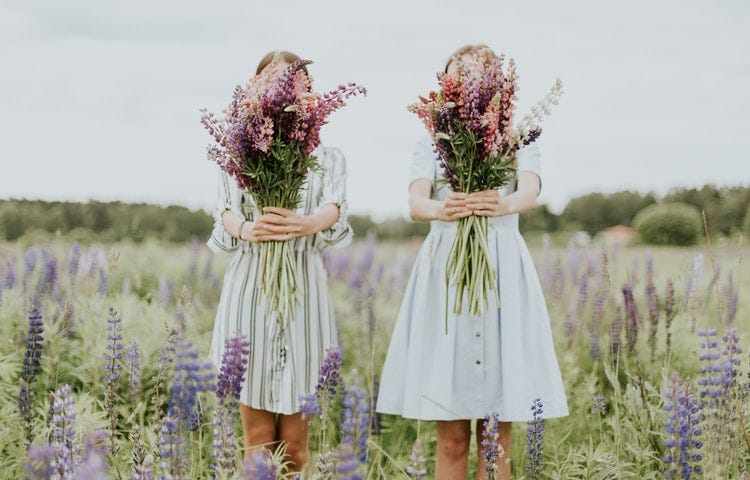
{"type": "Point", "coordinates": [29, 264]}
{"type": "Point", "coordinates": [356, 421]}
{"type": "Point", "coordinates": [653, 316]}
{"type": "Point", "coordinates": [491, 449]}
{"type": "Point", "coordinates": [260, 466]}
{"type": "Point", "coordinates": [309, 406]}
{"type": "Point", "coordinates": [141, 459]}
{"type": "Point", "coordinates": [93, 464]}
{"type": "Point", "coordinates": [731, 295]}
{"type": "Point", "coordinates": [223, 443]}
{"type": "Point", "coordinates": [191, 377]}
{"type": "Point", "coordinates": [615, 332]}
{"type": "Point", "coordinates": [112, 367]}
{"type": "Point", "coordinates": [598, 405]}
{"type": "Point", "coordinates": [133, 364]}
{"type": "Point", "coordinates": [62, 436]}
{"type": "Point", "coordinates": [75, 259]}
{"type": "Point", "coordinates": [596, 323]}
{"type": "Point", "coordinates": [172, 448]}
{"type": "Point", "coordinates": [534, 441]}
{"type": "Point", "coordinates": [710, 378]}
{"type": "Point", "coordinates": [329, 377]}
{"type": "Point", "coordinates": [683, 430]}
{"type": "Point", "coordinates": [30, 372]}
{"type": "Point", "coordinates": [233, 367]}
{"type": "Point", "coordinates": [103, 283]}
{"type": "Point", "coordinates": [669, 313]}
{"type": "Point", "coordinates": [48, 277]}
{"type": "Point", "coordinates": [41, 462]}
{"type": "Point", "coordinates": [631, 317]}
{"type": "Point", "coordinates": [347, 465]}
{"type": "Point", "coordinates": [417, 469]}
{"type": "Point", "coordinates": [9, 276]}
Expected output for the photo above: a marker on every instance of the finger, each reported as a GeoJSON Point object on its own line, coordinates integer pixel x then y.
{"type": "Point", "coordinates": [283, 228]}
{"type": "Point", "coordinates": [457, 195]}
{"type": "Point", "coordinates": [485, 213]}
{"type": "Point", "coordinates": [482, 206]}
{"type": "Point", "coordinates": [484, 195]}
{"type": "Point", "coordinates": [278, 211]}
{"type": "Point", "coordinates": [463, 214]}
{"type": "Point", "coordinates": [272, 219]}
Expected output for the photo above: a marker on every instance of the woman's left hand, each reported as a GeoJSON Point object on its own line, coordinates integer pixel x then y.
{"type": "Point", "coordinates": [285, 224]}
{"type": "Point", "coordinates": [487, 203]}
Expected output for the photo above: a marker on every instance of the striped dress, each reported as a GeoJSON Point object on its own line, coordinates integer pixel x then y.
{"type": "Point", "coordinates": [284, 361]}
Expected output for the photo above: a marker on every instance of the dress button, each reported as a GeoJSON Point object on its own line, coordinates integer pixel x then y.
{"type": "Point", "coordinates": [478, 335]}
{"type": "Point", "coordinates": [478, 362]}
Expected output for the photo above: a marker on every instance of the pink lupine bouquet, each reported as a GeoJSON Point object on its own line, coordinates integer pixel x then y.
{"type": "Point", "coordinates": [470, 120]}
{"type": "Point", "coordinates": [265, 142]}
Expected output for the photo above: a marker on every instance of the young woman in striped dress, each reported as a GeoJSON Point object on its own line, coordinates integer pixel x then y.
{"type": "Point", "coordinates": [284, 359]}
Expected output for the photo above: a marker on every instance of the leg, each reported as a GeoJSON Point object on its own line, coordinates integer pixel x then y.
{"type": "Point", "coordinates": [453, 439]}
{"type": "Point", "coordinates": [293, 433]}
{"type": "Point", "coordinates": [258, 429]}
{"type": "Point", "coordinates": [503, 461]}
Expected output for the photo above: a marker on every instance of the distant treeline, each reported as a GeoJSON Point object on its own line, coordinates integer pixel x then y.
{"type": "Point", "coordinates": [726, 208]}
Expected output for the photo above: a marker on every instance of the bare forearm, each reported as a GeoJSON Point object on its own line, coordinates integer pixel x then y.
{"type": "Point", "coordinates": [424, 209]}
{"type": "Point", "coordinates": [518, 202]}
{"type": "Point", "coordinates": [324, 218]}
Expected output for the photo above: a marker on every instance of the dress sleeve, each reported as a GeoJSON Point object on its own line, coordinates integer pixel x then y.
{"type": "Point", "coordinates": [423, 162]}
{"type": "Point", "coordinates": [528, 160]}
{"type": "Point", "coordinates": [228, 199]}
{"type": "Point", "coordinates": [333, 191]}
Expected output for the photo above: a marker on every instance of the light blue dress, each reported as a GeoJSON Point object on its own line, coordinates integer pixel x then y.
{"type": "Point", "coordinates": [499, 362]}
{"type": "Point", "coordinates": [284, 360]}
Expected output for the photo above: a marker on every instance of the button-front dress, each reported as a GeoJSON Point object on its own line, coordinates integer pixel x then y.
{"type": "Point", "coordinates": [498, 362]}
{"type": "Point", "coordinates": [284, 359]}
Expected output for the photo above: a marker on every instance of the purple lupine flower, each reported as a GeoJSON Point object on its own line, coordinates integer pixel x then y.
{"type": "Point", "coordinates": [260, 466]}
{"type": "Point", "coordinates": [62, 436]}
{"type": "Point", "coordinates": [583, 292]}
{"type": "Point", "coordinates": [683, 430]}
{"type": "Point", "coordinates": [113, 357]}
{"type": "Point", "coordinates": [75, 259]}
{"type": "Point", "coordinates": [491, 448]}
{"type": "Point", "coordinates": [731, 360]}
{"type": "Point", "coordinates": [570, 325]}
{"type": "Point", "coordinates": [172, 448]}
{"type": "Point", "coordinates": [223, 442]}
{"type": "Point", "coordinates": [596, 321]}
{"type": "Point", "coordinates": [41, 462]}
{"type": "Point", "coordinates": [669, 313]}
{"type": "Point", "coordinates": [710, 378]}
{"type": "Point", "coordinates": [29, 263]}
{"type": "Point", "coordinates": [103, 283]}
{"type": "Point", "coordinates": [574, 262]}
{"type": "Point", "coordinates": [347, 465]}
{"type": "Point", "coordinates": [631, 317]}
{"type": "Point", "coordinates": [191, 377]}
{"type": "Point", "coordinates": [192, 273]}
{"type": "Point", "coordinates": [534, 441]}
{"type": "Point", "coordinates": [48, 277]}
{"type": "Point", "coordinates": [693, 281]}
{"type": "Point", "coordinates": [653, 316]}
{"type": "Point", "coordinates": [133, 365]}
{"type": "Point", "coordinates": [30, 372]}
{"type": "Point", "coordinates": [93, 464]}
{"type": "Point", "coordinates": [355, 423]}
{"type": "Point", "coordinates": [615, 332]}
{"type": "Point", "coordinates": [141, 459]}
{"type": "Point", "coordinates": [309, 406]}
{"type": "Point", "coordinates": [417, 469]}
{"type": "Point", "coordinates": [598, 405]}
{"type": "Point", "coordinates": [233, 367]}
{"type": "Point", "coordinates": [329, 377]}
{"type": "Point", "coordinates": [558, 279]}
{"type": "Point", "coordinates": [731, 295]}
{"type": "Point", "coordinates": [11, 277]}
{"type": "Point", "coordinates": [649, 265]}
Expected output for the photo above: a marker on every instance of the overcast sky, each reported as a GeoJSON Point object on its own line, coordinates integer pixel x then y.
{"type": "Point", "coordinates": [100, 99]}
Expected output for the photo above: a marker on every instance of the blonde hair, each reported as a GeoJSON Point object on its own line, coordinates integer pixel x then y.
{"type": "Point", "coordinates": [288, 57]}
{"type": "Point", "coordinates": [464, 50]}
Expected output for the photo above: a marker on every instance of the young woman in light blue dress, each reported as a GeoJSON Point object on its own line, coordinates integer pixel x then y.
{"type": "Point", "coordinates": [284, 359]}
{"type": "Point", "coordinates": [499, 362]}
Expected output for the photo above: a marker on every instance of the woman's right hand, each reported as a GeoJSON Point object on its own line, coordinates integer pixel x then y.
{"type": "Point", "coordinates": [259, 230]}
{"type": "Point", "coordinates": [453, 208]}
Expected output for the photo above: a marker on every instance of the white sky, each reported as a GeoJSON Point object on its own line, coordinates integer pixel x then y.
{"type": "Point", "coordinates": [100, 99]}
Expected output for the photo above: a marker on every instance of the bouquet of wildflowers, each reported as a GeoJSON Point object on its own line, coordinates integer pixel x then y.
{"type": "Point", "coordinates": [470, 120]}
{"type": "Point", "coordinates": [265, 142]}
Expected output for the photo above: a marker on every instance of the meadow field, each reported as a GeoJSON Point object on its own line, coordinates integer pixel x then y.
{"type": "Point", "coordinates": [103, 364]}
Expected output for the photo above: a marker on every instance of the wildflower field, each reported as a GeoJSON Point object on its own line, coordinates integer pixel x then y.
{"type": "Point", "coordinates": [104, 370]}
